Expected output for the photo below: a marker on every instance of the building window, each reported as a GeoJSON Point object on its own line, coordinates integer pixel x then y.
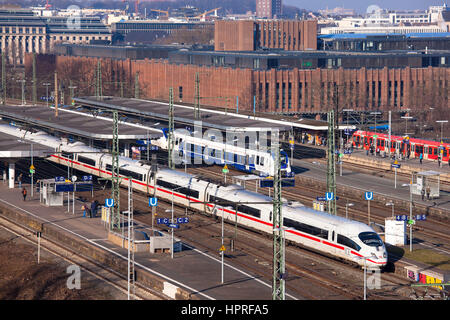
{"type": "Point", "coordinates": [289, 95]}
{"type": "Point", "coordinates": [300, 95]}
{"type": "Point", "coordinates": [180, 92]}
{"type": "Point", "coordinates": [277, 95]}
{"type": "Point", "coordinates": [256, 63]}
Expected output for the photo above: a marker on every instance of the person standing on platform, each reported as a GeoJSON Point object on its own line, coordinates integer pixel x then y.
{"type": "Point", "coordinates": [428, 192]}
{"type": "Point", "coordinates": [421, 158]}
{"type": "Point", "coordinates": [93, 209]}
{"type": "Point", "coordinates": [19, 180]}
{"type": "Point", "coordinates": [24, 194]}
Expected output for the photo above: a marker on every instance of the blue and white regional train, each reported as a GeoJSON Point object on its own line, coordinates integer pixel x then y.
{"type": "Point", "coordinates": [213, 151]}
{"type": "Point", "coordinates": [336, 236]}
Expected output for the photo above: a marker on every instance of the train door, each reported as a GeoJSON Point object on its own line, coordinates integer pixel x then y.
{"type": "Point", "coordinates": [432, 153]}
{"type": "Point", "coordinates": [425, 152]}
{"type": "Point", "coordinates": [418, 150]}
{"type": "Point", "coordinates": [332, 238]}
{"type": "Point", "coordinates": [100, 166]}
{"type": "Point", "coordinates": [445, 155]}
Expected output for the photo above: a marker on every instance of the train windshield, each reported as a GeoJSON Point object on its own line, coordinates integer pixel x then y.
{"type": "Point", "coordinates": [371, 239]}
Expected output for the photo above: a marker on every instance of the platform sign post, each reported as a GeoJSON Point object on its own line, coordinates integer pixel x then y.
{"type": "Point", "coordinates": [222, 248]}
{"type": "Point", "coordinates": [396, 166]}
{"type": "Point", "coordinates": [38, 234]}
{"type": "Point", "coordinates": [368, 196]}
{"type": "Point", "coordinates": [225, 171]}
{"type": "Point", "coordinates": [153, 202]}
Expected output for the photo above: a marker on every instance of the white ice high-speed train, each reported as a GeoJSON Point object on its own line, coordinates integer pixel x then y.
{"type": "Point", "coordinates": [336, 236]}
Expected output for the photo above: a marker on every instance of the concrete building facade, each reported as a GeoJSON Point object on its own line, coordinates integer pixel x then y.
{"type": "Point", "coordinates": [22, 32]}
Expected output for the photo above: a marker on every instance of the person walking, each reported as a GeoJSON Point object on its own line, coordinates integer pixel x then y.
{"type": "Point", "coordinates": [24, 194]}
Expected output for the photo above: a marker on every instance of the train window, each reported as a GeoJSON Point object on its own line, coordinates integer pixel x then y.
{"type": "Point", "coordinates": [66, 155]}
{"type": "Point", "coordinates": [129, 173]}
{"type": "Point", "coordinates": [257, 160]}
{"type": "Point", "coordinates": [306, 228]}
{"type": "Point", "coordinates": [270, 216]}
{"type": "Point", "coordinates": [347, 242]}
{"type": "Point", "coordinates": [371, 239]}
{"type": "Point", "coordinates": [86, 160]}
{"type": "Point", "coordinates": [249, 210]}
{"type": "Point", "coordinates": [445, 152]}
{"type": "Point", "coordinates": [109, 167]}
{"type": "Point", "coordinates": [183, 190]}
{"type": "Point", "coordinates": [382, 143]}
{"type": "Point", "coordinates": [221, 202]}
{"type": "Point", "coordinates": [435, 151]}
{"type": "Point", "coordinates": [419, 149]}
{"type": "Point", "coordinates": [430, 151]}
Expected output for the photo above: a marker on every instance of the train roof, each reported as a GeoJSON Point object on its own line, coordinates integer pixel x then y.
{"type": "Point", "coordinates": [394, 137]}
{"type": "Point", "coordinates": [325, 218]}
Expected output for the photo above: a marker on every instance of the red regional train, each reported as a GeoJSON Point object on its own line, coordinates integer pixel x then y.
{"type": "Point", "coordinates": [401, 145]}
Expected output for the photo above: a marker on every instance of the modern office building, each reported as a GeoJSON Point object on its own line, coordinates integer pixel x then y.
{"type": "Point", "coordinates": [269, 9]}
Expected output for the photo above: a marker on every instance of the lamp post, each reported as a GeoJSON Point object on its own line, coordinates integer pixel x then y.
{"type": "Point", "coordinates": [406, 123]}
{"type": "Point", "coordinates": [442, 123]}
{"type": "Point", "coordinates": [346, 208]}
{"type": "Point", "coordinates": [348, 111]}
{"type": "Point", "coordinates": [375, 113]}
{"type": "Point", "coordinates": [172, 221]}
{"type": "Point", "coordinates": [22, 81]}
{"type": "Point", "coordinates": [148, 142]}
{"type": "Point", "coordinates": [46, 84]}
{"type": "Point", "coordinates": [410, 185]}
{"type": "Point", "coordinates": [391, 204]}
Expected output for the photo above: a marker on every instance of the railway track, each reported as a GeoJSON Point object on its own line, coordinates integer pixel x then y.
{"type": "Point", "coordinates": [253, 252]}
{"type": "Point", "coordinates": [96, 269]}
{"type": "Point", "coordinates": [358, 212]}
{"type": "Point", "coordinates": [256, 259]}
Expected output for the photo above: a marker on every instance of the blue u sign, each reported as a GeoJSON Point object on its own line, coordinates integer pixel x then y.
{"type": "Point", "coordinates": [152, 202]}
{"type": "Point", "coordinates": [329, 196]}
{"type": "Point", "coordinates": [109, 203]}
{"type": "Point", "coordinates": [368, 195]}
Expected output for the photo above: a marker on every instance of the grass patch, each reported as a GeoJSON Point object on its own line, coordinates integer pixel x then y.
{"type": "Point", "coordinates": [426, 256]}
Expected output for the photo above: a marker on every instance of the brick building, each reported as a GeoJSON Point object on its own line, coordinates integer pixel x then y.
{"type": "Point", "coordinates": [275, 90]}
{"type": "Point", "coordinates": [273, 34]}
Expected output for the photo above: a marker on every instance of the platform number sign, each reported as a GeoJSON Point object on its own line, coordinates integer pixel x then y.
{"type": "Point", "coordinates": [368, 195]}
{"type": "Point", "coordinates": [109, 202]}
{"type": "Point", "coordinates": [152, 202]}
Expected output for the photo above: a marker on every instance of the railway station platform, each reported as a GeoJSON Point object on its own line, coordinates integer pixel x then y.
{"type": "Point", "coordinates": [195, 273]}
